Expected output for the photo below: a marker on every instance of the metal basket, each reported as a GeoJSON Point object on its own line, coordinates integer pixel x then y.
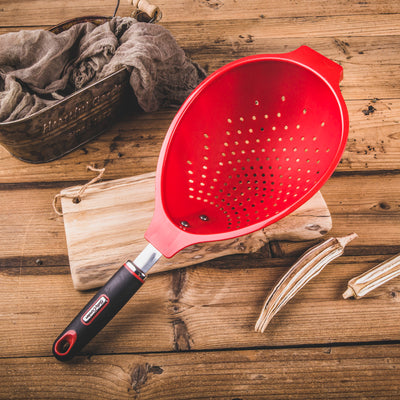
{"type": "Point", "coordinates": [73, 121]}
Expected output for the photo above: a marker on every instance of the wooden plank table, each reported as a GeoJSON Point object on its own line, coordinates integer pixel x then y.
{"type": "Point", "coordinates": [189, 333]}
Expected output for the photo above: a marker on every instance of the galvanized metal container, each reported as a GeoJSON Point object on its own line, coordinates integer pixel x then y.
{"type": "Point", "coordinates": [63, 127]}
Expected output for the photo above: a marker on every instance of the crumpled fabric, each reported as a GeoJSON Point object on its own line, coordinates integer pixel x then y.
{"type": "Point", "coordinates": [39, 68]}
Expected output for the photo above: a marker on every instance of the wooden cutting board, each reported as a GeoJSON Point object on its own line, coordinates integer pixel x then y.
{"type": "Point", "coordinates": [107, 227]}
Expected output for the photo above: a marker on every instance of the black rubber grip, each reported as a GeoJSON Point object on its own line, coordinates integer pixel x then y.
{"type": "Point", "coordinates": [99, 311]}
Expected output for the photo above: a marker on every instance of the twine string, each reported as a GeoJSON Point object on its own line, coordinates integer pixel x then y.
{"type": "Point", "coordinates": [76, 198]}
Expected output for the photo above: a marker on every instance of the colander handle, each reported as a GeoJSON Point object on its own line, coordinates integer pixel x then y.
{"type": "Point", "coordinates": [99, 311]}
{"type": "Point", "coordinates": [330, 70]}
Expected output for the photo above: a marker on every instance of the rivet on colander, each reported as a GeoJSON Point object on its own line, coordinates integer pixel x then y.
{"type": "Point", "coordinates": [203, 217]}
{"type": "Point", "coordinates": [185, 224]}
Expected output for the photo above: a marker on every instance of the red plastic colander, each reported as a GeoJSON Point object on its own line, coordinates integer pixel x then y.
{"type": "Point", "coordinates": [252, 143]}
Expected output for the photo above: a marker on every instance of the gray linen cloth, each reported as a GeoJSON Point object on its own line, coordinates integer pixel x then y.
{"type": "Point", "coordinates": [39, 68]}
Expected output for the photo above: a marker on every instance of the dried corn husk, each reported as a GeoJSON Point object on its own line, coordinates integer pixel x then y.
{"type": "Point", "coordinates": [306, 268]}
{"type": "Point", "coordinates": [370, 280]}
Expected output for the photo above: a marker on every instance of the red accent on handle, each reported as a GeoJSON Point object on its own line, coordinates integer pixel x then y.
{"type": "Point", "coordinates": [65, 343]}
{"type": "Point", "coordinates": [133, 273]}
{"type": "Point", "coordinates": [96, 308]}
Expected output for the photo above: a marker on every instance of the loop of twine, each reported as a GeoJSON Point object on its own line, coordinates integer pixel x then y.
{"type": "Point", "coordinates": [78, 197]}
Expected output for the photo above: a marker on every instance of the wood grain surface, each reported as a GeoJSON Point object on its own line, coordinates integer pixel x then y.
{"type": "Point", "coordinates": [327, 372]}
{"type": "Point", "coordinates": [189, 332]}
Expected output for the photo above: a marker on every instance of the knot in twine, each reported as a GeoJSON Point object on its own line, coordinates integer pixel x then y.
{"type": "Point", "coordinates": [76, 198]}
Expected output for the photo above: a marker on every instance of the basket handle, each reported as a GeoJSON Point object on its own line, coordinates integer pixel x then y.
{"type": "Point", "coordinates": [330, 70]}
